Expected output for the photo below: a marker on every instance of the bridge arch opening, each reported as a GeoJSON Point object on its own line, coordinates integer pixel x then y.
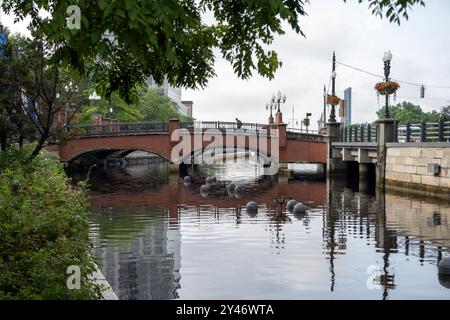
{"type": "Point", "coordinates": [203, 155]}
{"type": "Point", "coordinates": [118, 155]}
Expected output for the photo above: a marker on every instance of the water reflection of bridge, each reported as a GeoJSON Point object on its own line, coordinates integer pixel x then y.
{"type": "Point", "coordinates": [390, 225]}
{"type": "Point", "coordinates": [172, 195]}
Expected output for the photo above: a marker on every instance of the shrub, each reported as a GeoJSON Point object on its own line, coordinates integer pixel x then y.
{"type": "Point", "coordinates": [43, 230]}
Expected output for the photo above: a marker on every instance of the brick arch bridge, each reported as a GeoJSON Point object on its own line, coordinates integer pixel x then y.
{"type": "Point", "coordinates": [164, 139]}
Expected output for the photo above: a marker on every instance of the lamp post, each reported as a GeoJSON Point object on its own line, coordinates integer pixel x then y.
{"type": "Point", "coordinates": [306, 121]}
{"type": "Point", "coordinates": [333, 90]}
{"type": "Point", "coordinates": [387, 71]}
{"type": "Point", "coordinates": [277, 101]}
{"type": "Point", "coordinates": [270, 106]}
{"type": "Point", "coordinates": [324, 106]}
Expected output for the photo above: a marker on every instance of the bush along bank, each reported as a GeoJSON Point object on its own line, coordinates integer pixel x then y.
{"type": "Point", "coordinates": [43, 231]}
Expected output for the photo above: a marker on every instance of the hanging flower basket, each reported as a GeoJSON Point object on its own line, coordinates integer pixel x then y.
{"type": "Point", "coordinates": [385, 88]}
{"type": "Point", "coordinates": [333, 100]}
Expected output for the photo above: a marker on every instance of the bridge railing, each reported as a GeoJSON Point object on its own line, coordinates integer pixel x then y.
{"type": "Point", "coordinates": [403, 133]}
{"type": "Point", "coordinates": [120, 128]}
{"type": "Point", "coordinates": [423, 132]}
{"type": "Point", "coordinates": [305, 131]}
{"type": "Point", "coordinates": [366, 132]}
{"type": "Point", "coordinates": [224, 126]}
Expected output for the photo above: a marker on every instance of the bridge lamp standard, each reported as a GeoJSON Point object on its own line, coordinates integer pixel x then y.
{"type": "Point", "coordinates": [270, 106]}
{"type": "Point", "coordinates": [333, 90]}
{"type": "Point", "coordinates": [387, 58]}
{"type": "Point", "coordinates": [277, 101]}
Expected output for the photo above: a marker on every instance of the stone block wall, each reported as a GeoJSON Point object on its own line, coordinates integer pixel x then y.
{"type": "Point", "coordinates": [408, 166]}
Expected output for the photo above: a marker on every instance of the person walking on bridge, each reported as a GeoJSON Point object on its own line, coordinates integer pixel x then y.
{"type": "Point", "coordinates": [238, 124]}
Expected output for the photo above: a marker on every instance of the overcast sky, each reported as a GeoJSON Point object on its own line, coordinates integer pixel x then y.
{"type": "Point", "coordinates": [420, 46]}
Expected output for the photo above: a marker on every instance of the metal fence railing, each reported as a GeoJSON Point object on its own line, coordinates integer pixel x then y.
{"type": "Point", "coordinates": [423, 132]}
{"type": "Point", "coordinates": [403, 133]}
{"type": "Point", "coordinates": [115, 128]}
{"type": "Point", "coordinates": [358, 133]}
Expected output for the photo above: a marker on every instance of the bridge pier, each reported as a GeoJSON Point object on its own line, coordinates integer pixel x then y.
{"type": "Point", "coordinates": [385, 134]}
{"type": "Point", "coordinates": [334, 161]}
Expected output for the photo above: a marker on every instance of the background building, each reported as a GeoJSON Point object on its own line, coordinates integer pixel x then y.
{"type": "Point", "coordinates": [173, 93]}
{"type": "Point", "coordinates": [346, 107]}
{"type": "Point", "coordinates": [188, 105]}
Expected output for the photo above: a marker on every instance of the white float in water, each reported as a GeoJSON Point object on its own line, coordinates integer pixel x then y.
{"type": "Point", "coordinates": [204, 190]}
{"type": "Point", "coordinates": [299, 208]}
{"type": "Point", "coordinates": [291, 204]}
{"type": "Point", "coordinates": [238, 191]}
{"type": "Point", "coordinates": [252, 206]}
{"type": "Point", "coordinates": [230, 189]}
{"type": "Point", "coordinates": [444, 267]}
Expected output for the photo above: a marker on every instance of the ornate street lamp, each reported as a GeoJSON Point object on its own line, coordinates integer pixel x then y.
{"type": "Point", "coordinates": [387, 71]}
{"type": "Point", "coordinates": [276, 101]}
{"type": "Point", "coordinates": [387, 87]}
{"type": "Point", "coordinates": [333, 90]}
{"type": "Point", "coordinates": [270, 106]}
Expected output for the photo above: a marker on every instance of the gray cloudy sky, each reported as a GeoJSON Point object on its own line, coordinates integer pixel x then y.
{"type": "Point", "coordinates": [421, 49]}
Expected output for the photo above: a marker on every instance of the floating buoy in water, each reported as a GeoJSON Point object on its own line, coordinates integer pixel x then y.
{"type": "Point", "coordinates": [214, 180]}
{"type": "Point", "coordinates": [299, 208]}
{"type": "Point", "coordinates": [209, 181]}
{"type": "Point", "coordinates": [444, 267]}
{"type": "Point", "coordinates": [238, 191]}
{"type": "Point", "coordinates": [187, 181]}
{"type": "Point", "coordinates": [204, 190]}
{"type": "Point", "coordinates": [252, 206]}
{"type": "Point", "coordinates": [291, 204]}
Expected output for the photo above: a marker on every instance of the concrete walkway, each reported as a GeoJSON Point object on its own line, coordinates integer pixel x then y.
{"type": "Point", "coordinates": [99, 278]}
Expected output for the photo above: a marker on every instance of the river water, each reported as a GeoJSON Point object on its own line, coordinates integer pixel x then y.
{"type": "Point", "coordinates": [159, 238]}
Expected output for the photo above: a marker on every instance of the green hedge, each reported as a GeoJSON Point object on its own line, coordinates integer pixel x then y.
{"type": "Point", "coordinates": [43, 230]}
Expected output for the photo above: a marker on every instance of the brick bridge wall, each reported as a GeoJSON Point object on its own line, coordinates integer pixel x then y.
{"type": "Point", "coordinates": [290, 150]}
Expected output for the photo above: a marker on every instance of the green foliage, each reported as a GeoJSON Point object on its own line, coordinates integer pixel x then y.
{"type": "Point", "coordinates": [33, 91]}
{"type": "Point", "coordinates": [43, 230]}
{"type": "Point", "coordinates": [392, 10]}
{"type": "Point", "coordinates": [407, 112]}
{"type": "Point", "coordinates": [121, 43]}
{"type": "Point", "coordinates": [148, 106]}
{"type": "Point", "coordinates": [445, 113]}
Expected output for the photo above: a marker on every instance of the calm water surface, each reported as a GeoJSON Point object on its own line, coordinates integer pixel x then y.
{"type": "Point", "coordinates": [157, 238]}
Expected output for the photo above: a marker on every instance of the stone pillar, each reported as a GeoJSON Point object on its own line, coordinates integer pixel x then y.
{"type": "Point", "coordinates": [278, 118]}
{"type": "Point", "coordinates": [334, 164]}
{"type": "Point", "coordinates": [270, 120]}
{"type": "Point", "coordinates": [385, 134]}
{"type": "Point", "coordinates": [173, 125]}
{"type": "Point", "coordinates": [282, 133]}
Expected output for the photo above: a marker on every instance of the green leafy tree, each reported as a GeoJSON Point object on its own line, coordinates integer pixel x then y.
{"type": "Point", "coordinates": [32, 92]}
{"type": "Point", "coordinates": [445, 113]}
{"type": "Point", "coordinates": [408, 112]}
{"type": "Point", "coordinates": [43, 229]}
{"type": "Point", "coordinates": [148, 106]}
{"type": "Point", "coordinates": [121, 43]}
